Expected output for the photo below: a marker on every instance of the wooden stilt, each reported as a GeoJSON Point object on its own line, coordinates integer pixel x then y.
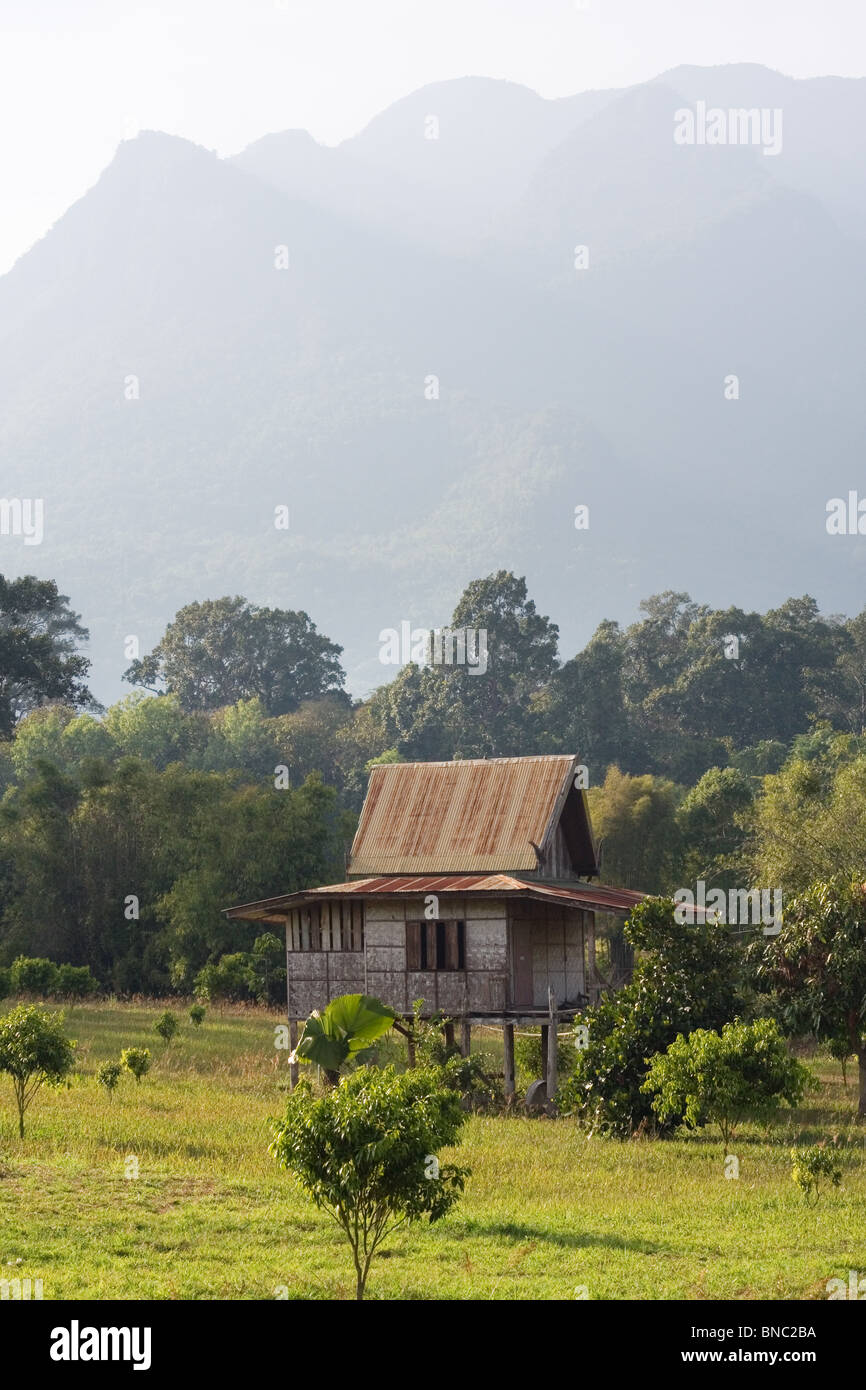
{"type": "Point", "coordinates": [551, 1048]}
{"type": "Point", "coordinates": [508, 1053]}
{"type": "Point", "coordinates": [448, 1030]}
{"type": "Point", "coordinates": [293, 1042]}
{"type": "Point", "coordinates": [465, 1038]}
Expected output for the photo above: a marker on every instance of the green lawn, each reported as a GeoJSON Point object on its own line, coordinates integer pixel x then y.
{"type": "Point", "coordinates": [545, 1212]}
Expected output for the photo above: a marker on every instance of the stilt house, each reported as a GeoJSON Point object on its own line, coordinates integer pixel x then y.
{"type": "Point", "coordinates": [469, 885]}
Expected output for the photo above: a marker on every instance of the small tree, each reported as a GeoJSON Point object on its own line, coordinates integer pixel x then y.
{"type": "Point", "coordinates": [810, 1167]}
{"type": "Point", "coordinates": [166, 1026]}
{"type": "Point", "coordinates": [366, 1152]}
{"type": "Point", "coordinates": [684, 979]}
{"type": "Point", "coordinates": [196, 1014]}
{"type": "Point", "coordinates": [108, 1076]}
{"type": "Point", "coordinates": [33, 975]}
{"type": "Point", "coordinates": [137, 1060]}
{"type": "Point", "coordinates": [723, 1078]}
{"type": "Point", "coordinates": [74, 982]}
{"type": "Point", "coordinates": [816, 966]}
{"type": "Point", "coordinates": [33, 1049]}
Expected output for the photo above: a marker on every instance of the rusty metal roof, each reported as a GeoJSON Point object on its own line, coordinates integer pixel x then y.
{"type": "Point", "coordinates": [477, 815]}
{"type": "Point", "coordinates": [595, 897]}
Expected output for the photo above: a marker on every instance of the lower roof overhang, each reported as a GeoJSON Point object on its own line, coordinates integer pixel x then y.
{"type": "Point", "coordinates": [589, 897]}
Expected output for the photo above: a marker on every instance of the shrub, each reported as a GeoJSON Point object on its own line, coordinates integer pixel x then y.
{"type": "Point", "coordinates": [723, 1078]}
{"type": "Point", "coordinates": [166, 1026]}
{"type": "Point", "coordinates": [686, 978]}
{"type": "Point", "coordinates": [33, 975]}
{"type": "Point", "coordinates": [33, 1050]}
{"type": "Point", "coordinates": [136, 1060]}
{"type": "Point", "coordinates": [473, 1076]}
{"type": "Point", "coordinates": [366, 1152]}
{"type": "Point", "coordinates": [5, 981]}
{"type": "Point", "coordinates": [810, 1167]}
{"type": "Point", "coordinates": [229, 978]}
{"type": "Point", "coordinates": [196, 1014]}
{"type": "Point", "coordinates": [108, 1076]}
{"type": "Point", "coordinates": [74, 982]}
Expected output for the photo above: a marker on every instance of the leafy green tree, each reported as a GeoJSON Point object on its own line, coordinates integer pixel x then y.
{"type": "Point", "coordinates": [710, 821]}
{"type": "Point", "coordinates": [167, 1026]}
{"type": "Point", "coordinates": [744, 1072]}
{"type": "Point", "coordinates": [227, 978]}
{"type": "Point", "coordinates": [108, 1076]}
{"type": "Point", "coordinates": [33, 975]}
{"type": "Point", "coordinates": [267, 969]}
{"type": "Point", "coordinates": [816, 967]}
{"type": "Point", "coordinates": [33, 1050]}
{"type": "Point", "coordinates": [812, 1166]}
{"type": "Point", "coordinates": [634, 820]}
{"type": "Point", "coordinates": [224, 650]}
{"type": "Point", "coordinates": [684, 979]}
{"type": "Point", "coordinates": [136, 1060]}
{"type": "Point", "coordinates": [367, 1153]}
{"type": "Point", "coordinates": [345, 1031]}
{"type": "Point", "coordinates": [74, 982]}
{"type": "Point", "coordinates": [56, 734]}
{"type": "Point", "coordinates": [39, 660]}
{"type": "Point", "coordinates": [810, 818]}
{"type": "Point", "coordinates": [153, 728]}
{"type": "Point", "coordinates": [583, 708]}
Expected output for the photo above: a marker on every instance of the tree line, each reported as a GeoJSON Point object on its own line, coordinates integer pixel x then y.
{"type": "Point", "coordinates": [720, 745]}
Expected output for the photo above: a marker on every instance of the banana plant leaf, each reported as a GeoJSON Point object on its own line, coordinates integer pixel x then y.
{"type": "Point", "coordinates": [346, 1028]}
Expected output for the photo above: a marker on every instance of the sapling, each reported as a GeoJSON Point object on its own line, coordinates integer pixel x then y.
{"type": "Point", "coordinates": [137, 1060]}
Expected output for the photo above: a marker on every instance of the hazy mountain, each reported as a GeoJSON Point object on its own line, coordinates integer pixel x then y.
{"type": "Point", "coordinates": [167, 380]}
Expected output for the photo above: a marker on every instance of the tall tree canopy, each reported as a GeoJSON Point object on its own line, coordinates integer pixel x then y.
{"type": "Point", "coordinates": [39, 660]}
{"type": "Point", "coordinates": [223, 650]}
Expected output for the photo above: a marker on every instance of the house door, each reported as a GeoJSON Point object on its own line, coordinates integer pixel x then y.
{"type": "Point", "coordinates": [557, 960]}
{"type": "Point", "coordinates": [521, 964]}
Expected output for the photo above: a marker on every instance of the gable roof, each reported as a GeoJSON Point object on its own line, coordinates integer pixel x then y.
{"type": "Point", "coordinates": [473, 816]}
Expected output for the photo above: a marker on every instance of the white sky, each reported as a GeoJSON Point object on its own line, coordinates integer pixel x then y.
{"type": "Point", "coordinates": [78, 76]}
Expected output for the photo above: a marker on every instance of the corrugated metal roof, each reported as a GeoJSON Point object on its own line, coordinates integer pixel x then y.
{"type": "Point", "coordinates": [474, 815]}
{"type": "Point", "coordinates": [595, 897]}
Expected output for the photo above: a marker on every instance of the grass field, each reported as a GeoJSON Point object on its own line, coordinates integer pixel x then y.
{"type": "Point", "coordinates": [546, 1213]}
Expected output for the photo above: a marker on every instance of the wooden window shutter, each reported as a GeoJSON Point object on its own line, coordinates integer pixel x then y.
{"type": "Point", "coordinates": [413, 945]}
{"type": "Point", "coordinates": [429, 957]}
{"type": "Point", "coordinates": [452, 949]}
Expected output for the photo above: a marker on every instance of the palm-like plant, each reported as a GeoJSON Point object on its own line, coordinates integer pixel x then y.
{"type": "Point", "coordinates": [344, 1031]}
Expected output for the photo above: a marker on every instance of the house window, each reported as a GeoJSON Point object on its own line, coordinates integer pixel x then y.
{"type": "Point", "coordinates": [329, 926]}
{"type": "Point", "coordinates": [436, 945]}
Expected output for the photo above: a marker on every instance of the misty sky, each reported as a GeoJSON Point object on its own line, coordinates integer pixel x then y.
{"type": "Point", "coordinates": [78, 76]}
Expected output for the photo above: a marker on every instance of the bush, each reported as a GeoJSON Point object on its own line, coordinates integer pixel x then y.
{"type": "Point", "coordinates": [74, 982]}
{"type": "Point", "coordinates": [5, 981]}
{"type": "Point", "coordinates": [136, 1060]}
{"type": "Point", "coordinates": [723, 1078]}
{"type": "Point", "coordinates": [686, 978]}
{"type": "Point", "coordinates": [166, 1026]}
{"type": "Point", "coordinates": [810, 1167]}
{"type": "Point", "coordinates": [227, 979]}
{"type": "Point", "coordinates": [366, 1152]}
{"type": "Point", "coordinates": [33, 1050]}
{"type": "Point", "coordinates": [196, 1014]}
{"type": "Point", "coordinates": [33, 975]}
{"type": "Point", "coordinates": [475, 1076]}
{"type": "Point", "coordinates": [109, 1075]}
